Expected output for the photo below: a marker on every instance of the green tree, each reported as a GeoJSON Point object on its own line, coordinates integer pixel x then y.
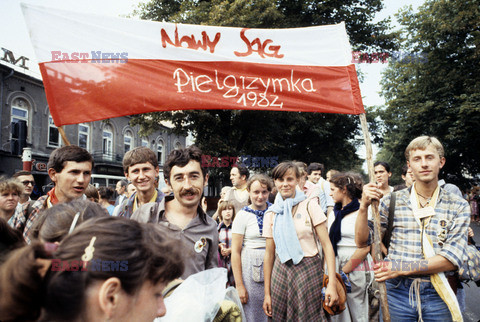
{"type": "Point", "coordinates": [436, 89]}
{"type": "Point", "coordinates": [309, 137]}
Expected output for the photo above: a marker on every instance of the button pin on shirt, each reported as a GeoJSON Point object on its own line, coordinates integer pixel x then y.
{"type": "Point", "coordinates": [200, 244]}
{"type": "Point", "coordinates": [442, 233]}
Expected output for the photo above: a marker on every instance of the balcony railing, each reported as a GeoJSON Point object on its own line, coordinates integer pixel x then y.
{"type": "Point", "coordinates": [107, 158]}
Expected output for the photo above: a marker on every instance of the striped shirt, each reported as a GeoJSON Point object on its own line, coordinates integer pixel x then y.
{"type": "Point", "coordinates": [447, 229]}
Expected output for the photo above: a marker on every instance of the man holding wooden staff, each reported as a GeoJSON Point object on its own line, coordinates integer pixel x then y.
{"type": "Point", "coordinates": [428, 238]}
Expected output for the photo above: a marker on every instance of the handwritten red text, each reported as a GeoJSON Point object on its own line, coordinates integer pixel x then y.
{"type": "Point", "coordinates": [190, 41]}
{"type": "Point", "coordinates": [262, 48]}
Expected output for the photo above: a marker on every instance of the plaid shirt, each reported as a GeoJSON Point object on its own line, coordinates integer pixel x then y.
{"type": "Point", "coordinates": [406, 243]}
{"type": "Point", "coordinates": [24, 221]}
{"type": "Point", "coordinates": [225, 234]}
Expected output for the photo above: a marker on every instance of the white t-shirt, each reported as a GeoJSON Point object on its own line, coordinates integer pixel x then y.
{"type": "Point", "coordinates": [245, 223]}
{"type": "Point", "coordinates": [347, 230]}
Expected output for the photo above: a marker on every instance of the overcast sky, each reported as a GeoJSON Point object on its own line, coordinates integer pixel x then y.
{"type": "Point", "coordinates": [14, 35]}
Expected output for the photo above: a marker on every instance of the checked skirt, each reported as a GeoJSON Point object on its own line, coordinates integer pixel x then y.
{"type": "Point", "coordinates": [296, 290]}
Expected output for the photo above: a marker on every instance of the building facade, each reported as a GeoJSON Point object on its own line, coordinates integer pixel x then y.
{"type": "Point", "coordinates": [25, 121]}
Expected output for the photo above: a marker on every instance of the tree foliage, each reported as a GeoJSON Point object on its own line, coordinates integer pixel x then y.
{"type": "Point", "coordinates": [436, 90]}
{"type": "Point", "coordinates": [308, 137]}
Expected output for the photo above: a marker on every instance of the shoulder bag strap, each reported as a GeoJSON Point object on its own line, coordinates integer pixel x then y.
{"type": "Point", "coordinates": [317, 242]}
{"type": "Point", "coordinates": [391, 213]}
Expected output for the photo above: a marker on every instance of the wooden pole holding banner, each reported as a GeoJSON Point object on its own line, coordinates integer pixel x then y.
{"type": "Point", "coordinates": [64, 136]}
{"type": "Point", "coordinates": [377, 250]}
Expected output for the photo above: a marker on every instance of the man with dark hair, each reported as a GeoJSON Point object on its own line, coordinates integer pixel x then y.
{"type": "Point", "coordinates": [382, 175]}
{"type": "Point", "coordinates": [182, 213]}
{"type": "Point", "coordinates": [238, 195]}
{"type": "Point", "coordinates": [26, 178]}
{"type": "Point", "coordinates": [407, 177]}
{"type": "Point", "coordinates": [141, 169]}
{"type": "Point", "coordinates": [316, 186]}
{"type": "Point", "coordinates": [70, 169]}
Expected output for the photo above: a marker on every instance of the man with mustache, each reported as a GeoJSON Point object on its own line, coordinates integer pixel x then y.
{"type": "Point", "coordinates": [182, 213]}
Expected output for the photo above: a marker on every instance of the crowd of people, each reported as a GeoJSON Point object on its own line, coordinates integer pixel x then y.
{"type": "Point", "coordinates": [74, 252]}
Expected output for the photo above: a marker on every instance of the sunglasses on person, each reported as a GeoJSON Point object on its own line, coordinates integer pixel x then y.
{"type": "Point", "coordinates": [26, 183]}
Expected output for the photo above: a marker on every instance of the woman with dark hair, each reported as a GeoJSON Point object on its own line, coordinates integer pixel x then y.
{"type": "Point", "coordinates": [105, 194]}
{"type": "Point", "coordinates": [92, 193]}
{"type": "Point", "coordinates": [293, 269]}
{"type": "Point", "coordinates": [248, 247]}
{"type": "Point", "coordinates": [108, 268]}
{"type": "Point", "coordinates": [346, 189]}
{"type": "Point", "coordinates": [54, 223]}
{"type": "Point", "coordinates": [10, 239]}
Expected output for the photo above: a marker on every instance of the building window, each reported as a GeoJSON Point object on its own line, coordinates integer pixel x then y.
{"type": "Point", "coordinates": [20, 108]}
{"type": "Point", "coordinates": [128, 141]}
{"type": "Point", "coordinates": [53, 135]}
{"type": "Point", "coordinates": [107, 145]}
{"type": "Point", "coordinates": [160, 152]}
{"type": "Point", "coordinates": [83, 136]}
{"type": "Point", "coordinates": [19, 113]}
{"type": "Point", "coordinates": [178, 146]}
{"type": "Point", "coordinates": [145, 142]}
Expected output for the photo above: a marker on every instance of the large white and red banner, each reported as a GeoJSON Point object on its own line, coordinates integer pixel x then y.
{"type": "Point", "coordinates": [97, 67]}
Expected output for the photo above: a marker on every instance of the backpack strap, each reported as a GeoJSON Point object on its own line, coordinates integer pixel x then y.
{"type": "Point", "coordinates": [391, 213]}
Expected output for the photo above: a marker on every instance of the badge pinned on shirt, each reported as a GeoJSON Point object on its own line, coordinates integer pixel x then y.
{"type": "Point", "coordinates": [200, 244]}
{"type": "Point", "coordinates": [442, 232]}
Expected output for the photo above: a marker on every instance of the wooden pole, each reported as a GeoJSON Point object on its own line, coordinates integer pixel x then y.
{"type": "Point", "coordinates": [64, 136]}
{"type": "Point", "coordinates": [377, 250]}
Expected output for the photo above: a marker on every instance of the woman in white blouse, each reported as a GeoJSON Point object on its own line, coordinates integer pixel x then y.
{"type": "Point", "coordinates": [248, 247]}
{"type": "Point", "coordinates": [346, 190]}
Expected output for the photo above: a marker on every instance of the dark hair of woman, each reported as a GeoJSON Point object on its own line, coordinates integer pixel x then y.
{"type": "Point", "coordinates": [54, 223]}
{"type": "Point", "coordinates": [9, 239]}
{"type": "Point", "coordinates": [92, 193]}
{"type": "Point", "coordinates": [30, 289]}
{"type": "Point", "coordinates": [351, 181]}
